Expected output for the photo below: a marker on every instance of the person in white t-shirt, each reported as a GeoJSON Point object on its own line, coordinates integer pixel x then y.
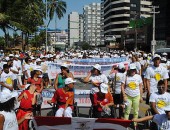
{"type": "Point", "coordinates": [6, 79]}
{"type": "Point", "coordinates": [137, 63]}
{"type": "Point", "coordinates": [155, 73]}
{"type": "Point", "coordinates": [27, 69]}
{"type": "Point", "coordinates": [132, 91]}
{"type": "Point", "coordinates": [8, 120]}
{"type": "Point", "coordinates": [159, 100]}
{"type": "Point", "coordinates": [117, 79]}
{"type": "Point", "coordinates": [162, 120]}
{"type": "Point", "coordinates": [96, 78]}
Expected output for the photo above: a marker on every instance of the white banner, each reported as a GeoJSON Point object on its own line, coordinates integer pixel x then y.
{"type": "Point", "coordinates": [79, 71]}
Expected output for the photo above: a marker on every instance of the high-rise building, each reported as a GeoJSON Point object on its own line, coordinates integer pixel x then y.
{"type": "Point", "coordinates": [92, 24]}
{"type": "Point", "coordinates": [118, 13]}
{"type": "Point", "coordinates": [162, 28]}
{"type": "Point", "coordinates": [75, 28]}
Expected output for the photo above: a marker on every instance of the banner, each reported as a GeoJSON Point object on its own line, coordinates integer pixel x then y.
{"type": "Point", "coordinates": [77, 123]}
{"type": "Point", "coordinates": [101, 61]}
{"type": "Point", "coordinates": [79, 71]}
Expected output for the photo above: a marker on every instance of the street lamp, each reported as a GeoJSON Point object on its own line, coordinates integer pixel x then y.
{"type": "Point", "coordinates": [46, 27]}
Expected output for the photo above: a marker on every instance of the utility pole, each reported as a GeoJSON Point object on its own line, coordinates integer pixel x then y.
{"type": "Point", "coordinates": [46, 29]}
{"type": "Point", "coordinates": [153, 42]}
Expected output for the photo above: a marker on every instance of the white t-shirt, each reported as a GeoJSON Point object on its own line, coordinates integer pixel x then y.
{"type": "Point", "coordinates": [161, 100]}
{"type": "Point", "coordinates": [162, 121]}
{"type": "Point", "coordinates": [28, 68]}
{"type": "Point", "coordinates": [10, 120]}
{"type": "Point", "coordinates": [155, 74]}
{"type": "Point", "coordinates": [97, 79]}
{"type": "Point", "coordinates": [119, 78]}
{"type": "Point", "coordinates": [15, 76]}
{"type": "Point", "coordinates": [7, 80]}
{"type": "Point", "coordinates": [132, 85]}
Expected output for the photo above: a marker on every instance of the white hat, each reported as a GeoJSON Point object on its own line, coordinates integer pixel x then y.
{"type": "Point", "coordinates": [132, 66]}
{"type": "Point", "coordinates": [65, 65]}
{"type": "Point", "coordinates": [104, 88]}
{"type": "Point", "coordinates": [38, 60]}
{"type": "Point", "coordinates": [121, 66]}
{"type": "Point", "coordinates": [32, 58]}
{"type": "Point", "coordinates": [38, 68]}
{"type": "Point", "coordinates": [145, 55]}
{"type": "Point", "coordinates": [163, 59]}
{"type": "Point", "coordinates": [6, 95]}
{"type": "Point", "coordinates": [164, 54]}
{"type": "Point", "coordinates": [11, 55]}
{"type": "Point", "coordinates": [69, 81]}
{"type": "Point", "coordinates": [156, 56]}
{"type": "Point", "coordinates": [7, 59]}
{"type": "Point", "coordinates": [27, 85]}
{"type": "Point", "coordinates": [17, 56]}
{"type": "Point", "coordinates": [167, 108]}
{"type": "Point", "coordinates": [97, 66]}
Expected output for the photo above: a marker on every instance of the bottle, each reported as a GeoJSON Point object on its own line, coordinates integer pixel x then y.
{"type": "Point", "coordinates": [107, 110]}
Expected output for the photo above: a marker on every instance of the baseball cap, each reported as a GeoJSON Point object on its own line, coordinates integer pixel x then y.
{"type": "Point", "coordinates": [156, 56]}
{"type": "Point", "coordinates": [97, 66]}
{"type": "Point", "coordinates": [17, 56]}
{"type": "Point", "coordinates": [6, 95]}
{"type": "Point", "coordinates": [65, 65]}
{"type": "Point", "coordinates": [11, 55]}
{"type": "Point", "coordinates": [7, 59]}
{"type": "Point", "coordinates": [27, 85]}
{"type": "Point", "coordinates": [38, 68]}
{"type": "Point", "coordinates": [132, 66]}
{"type": "Point", "coordinates": [164, 54]}
{"type": "Point", "coordinates": [121, 66]}
{"type": "Point", "coordinates": [38, 60]}
{"type": "Point", "coordinates": [69, 81]}
{"type": "Point", "coordinates": [104, 88]}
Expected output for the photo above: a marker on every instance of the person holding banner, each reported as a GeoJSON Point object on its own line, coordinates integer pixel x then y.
{"type": "Point", "coordinates": [64, 98]}
{"type": "Point", "coordinates": [96, 78]}
{"type": "Point", "coordinates": [61, 77]}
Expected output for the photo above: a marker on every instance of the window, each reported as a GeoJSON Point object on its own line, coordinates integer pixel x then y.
{"type": "Point", "coordinates": [133, 5]}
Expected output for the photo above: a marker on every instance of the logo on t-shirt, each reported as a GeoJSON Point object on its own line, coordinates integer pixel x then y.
{"type": "Point", "coordinates": [132, 85]}
{"type": "Point", "coordinates": [9, 81]}
{"type": "Point", "coordinates": [158, 76]}
{"type": "Point", "coordinates": [117, 78]}
{"type": "Point", "coordinates": [31, 69]}
{"type": "Point", "coordinates": [161, 104]}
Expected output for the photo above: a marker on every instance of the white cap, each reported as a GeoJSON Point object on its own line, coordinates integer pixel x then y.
{"type": "Point", "coordinates": [7, 59]}
{"type": "Point", "coordinates": [38, 60]}
{"type": "Point", "coordinates": [145, 55]}
{"type": "Point", "coordinates": [156, 56]}
{"type": "Point", "coordinates": [163, 59]}
{"type": "Point", "coordinates": [104, 88]}
{"type": "Point", "coordinates": [132, 66]}
{"type": "Point", "coordinates": [123, 55]}
{"type": "Point", "coordinates": [11, 55]}
{"type": "Point", "coordinates": [65, 65]}
{"type": "Point", "coordinates": [69, 81]}
{"type": "Point", "coordinates": [17, 56]}
{"type": "Point", "coordinates": [121, 66]}
{"type": "Point", "coordinates": [6, 95]}
{"type": "Point", "coordinates": [32, 58]}
{"type": "Point", "coordinates": [164, 54]}
{"type": "Point", "coordinates": [97, 66]}
{"type": "Point", "coordinates": [38, 68]}
{"type": "Point", "coordinates": [27, 85]}
{"type": "Point", "coordinates": [167, 108]}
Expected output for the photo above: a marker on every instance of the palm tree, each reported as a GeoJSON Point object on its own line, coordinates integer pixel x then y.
{"type": "Point", "coordinates": [56, 7]}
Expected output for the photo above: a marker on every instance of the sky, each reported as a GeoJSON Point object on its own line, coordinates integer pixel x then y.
{"type": "Point", "coordinates": [72, 5]}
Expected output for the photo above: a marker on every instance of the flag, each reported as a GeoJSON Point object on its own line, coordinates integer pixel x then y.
{"type": "Point", "coordinates": [77, 123]}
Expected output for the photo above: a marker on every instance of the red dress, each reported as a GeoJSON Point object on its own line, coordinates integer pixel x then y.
{"type": "Point", "coordinates": [25, 107]}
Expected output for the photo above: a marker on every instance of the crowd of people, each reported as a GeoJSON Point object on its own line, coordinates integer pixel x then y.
{"type": "Point", "coordinates": [122, 89]}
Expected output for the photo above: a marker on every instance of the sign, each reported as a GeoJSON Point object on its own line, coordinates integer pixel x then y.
{"type": "Point", "coordinates": [79, 71]}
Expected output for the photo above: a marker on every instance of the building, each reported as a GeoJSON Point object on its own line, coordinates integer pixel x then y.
{"type": "Point", "coordinates": [92, 24]}
{"type": "Point", "coordinates": [162, 20]}
{"type": "Point", "coordinates": [75, 28]}
{"type": "Point", "coordinates": [116, 16]}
